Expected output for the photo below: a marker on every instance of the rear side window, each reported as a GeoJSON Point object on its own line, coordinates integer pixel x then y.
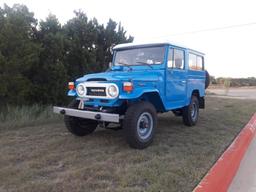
{"type": "Point", "coordinates": [178, 60]}
{"type": "Point", "coordinates": [192, 61]}
{"type": "Point", "coordinates": [175, 59]}
{"type": "Point", "coordinates": [195, 62]}
{"type": "Point", "coordinates": [199, 63]}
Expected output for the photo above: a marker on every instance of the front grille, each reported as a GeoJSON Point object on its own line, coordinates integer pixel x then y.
{"type": "Point", "coordinates": [96, 91]}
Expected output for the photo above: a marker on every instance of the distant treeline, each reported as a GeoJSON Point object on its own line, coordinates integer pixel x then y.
{"type": "Point", "coordinates": [234, 82]}
{"type": "Point", "coordinates": [37, 59]}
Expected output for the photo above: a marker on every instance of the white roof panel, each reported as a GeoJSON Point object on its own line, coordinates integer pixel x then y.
{"type": "Point", "coordinates": [138, 44]}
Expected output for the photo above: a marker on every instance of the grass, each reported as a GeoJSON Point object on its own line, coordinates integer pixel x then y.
{"type": "Point", "coordinates": [21, 116]}
{"type": "Point", "coordinates": [48, 158]}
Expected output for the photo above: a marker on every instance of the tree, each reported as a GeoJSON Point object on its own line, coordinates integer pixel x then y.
{"type": "Point", "coordinates": [18, 52]}
{"type": "Point", "coordinates": [112, 35]}
{"type": "Point", "coordinates": [50, 75]}
{"type": "Point", "coordinates": [80, 54]}
{"type": "Point", "coordinates": [37, 61]}
{"type": "Point", "coordinates": [88, 44]}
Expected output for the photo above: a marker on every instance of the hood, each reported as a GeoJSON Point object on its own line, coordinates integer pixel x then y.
{"type": "Point", "coordinates": [148, 75]}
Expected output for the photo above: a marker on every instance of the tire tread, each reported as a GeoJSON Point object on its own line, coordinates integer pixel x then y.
{"type": "Point", "coordinates": [130, 124]}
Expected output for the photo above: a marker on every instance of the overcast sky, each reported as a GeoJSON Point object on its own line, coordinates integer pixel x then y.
{"type": "Point", "coordinates": [229, 52]}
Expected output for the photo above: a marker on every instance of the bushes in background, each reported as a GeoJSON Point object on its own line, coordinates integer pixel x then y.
{"type": "Point", "coordinates": [37, 59]}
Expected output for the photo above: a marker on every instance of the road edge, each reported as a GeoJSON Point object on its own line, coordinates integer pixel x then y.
{"type": "Point", "coordinates": [220, 176]}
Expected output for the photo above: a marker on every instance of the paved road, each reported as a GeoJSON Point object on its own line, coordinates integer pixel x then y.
{"type": "Point", "coordinates": [245, 179]}
{"type": "Point", "coordinates": [239, 93]}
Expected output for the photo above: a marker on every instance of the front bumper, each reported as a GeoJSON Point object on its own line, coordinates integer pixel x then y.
{"type": "Point", "coordinates": [99, 116]}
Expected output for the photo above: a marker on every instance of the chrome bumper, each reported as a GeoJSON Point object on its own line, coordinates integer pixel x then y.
{"type": "Point", "coordinates": [99, 116]}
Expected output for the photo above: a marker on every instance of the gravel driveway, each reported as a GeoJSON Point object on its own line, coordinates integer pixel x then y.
{"type": "Point", "coordinates": [239, 93]}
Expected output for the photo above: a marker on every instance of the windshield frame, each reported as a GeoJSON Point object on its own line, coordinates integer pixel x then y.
{"type": "Point", "coordinates": [140, 64]}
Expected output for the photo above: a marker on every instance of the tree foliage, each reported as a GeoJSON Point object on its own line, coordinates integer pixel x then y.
{"type": "Point", "coordinates": [37, 59]}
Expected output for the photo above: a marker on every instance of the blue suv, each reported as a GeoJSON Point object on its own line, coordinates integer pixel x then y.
{"type": "Point", "coordinates": [142, 81]}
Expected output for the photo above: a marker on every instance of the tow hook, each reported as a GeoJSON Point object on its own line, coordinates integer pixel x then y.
{"type": "Point", "coordinates": [62, 112]}
{"type": "Point", "coordinates": [98, 116]}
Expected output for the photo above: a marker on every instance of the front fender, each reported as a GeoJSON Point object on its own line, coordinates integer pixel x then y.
{"type": "Point", "coordinates": [137, 93]}
{"type": "Point", "coordinates": [72, 93]}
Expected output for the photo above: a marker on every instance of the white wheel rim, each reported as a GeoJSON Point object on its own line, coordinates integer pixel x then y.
{"type": "Point", "coordinates": [145, 125]}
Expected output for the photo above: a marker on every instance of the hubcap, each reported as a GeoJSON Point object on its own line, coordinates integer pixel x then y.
{"type": "Point", "coordinates": [145, 125]}
{"type": "Point", "coordinates": [194, 111]}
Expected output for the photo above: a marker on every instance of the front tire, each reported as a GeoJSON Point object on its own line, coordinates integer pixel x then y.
{"type": "Point", "coordinates": [139, 124]}
{"type": "Point", "coordinates": [190, 113]}
{"type": "Point", "coordinates": [79, 126]}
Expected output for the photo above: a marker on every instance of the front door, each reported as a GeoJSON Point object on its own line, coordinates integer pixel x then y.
{"type": "Point", "coordinates": [176, 80]}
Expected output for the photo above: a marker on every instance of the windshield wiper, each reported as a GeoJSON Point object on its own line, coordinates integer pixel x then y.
{"type": "Point", "coordinates": [125, 64]}
{"type": "Point", "coordinates": [144, 63]}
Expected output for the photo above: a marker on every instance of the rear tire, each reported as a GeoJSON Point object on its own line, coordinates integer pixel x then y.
{"type": "Point", "coordinates": [139, 125]}
{"type": "Point", "coordinates": [190, 113]}
{"type": "Point", "coordinates": [79, 126]}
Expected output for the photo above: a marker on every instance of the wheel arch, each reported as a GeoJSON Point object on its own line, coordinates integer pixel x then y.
{"type": "Point", "coordinates": [200, 98]}
{"type": "Point", "coordinates": [154, 98]}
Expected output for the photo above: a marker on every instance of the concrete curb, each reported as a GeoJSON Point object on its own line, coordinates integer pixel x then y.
{"type": "Point", "coordinates": [220, 176]}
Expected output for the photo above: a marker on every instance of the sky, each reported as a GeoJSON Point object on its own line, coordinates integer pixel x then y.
{"type": "Point", "coordinates": [229, 52]}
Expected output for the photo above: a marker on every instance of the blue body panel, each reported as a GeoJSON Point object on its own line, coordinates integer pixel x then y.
{"type": "Point", "coordinates": [173, 87]}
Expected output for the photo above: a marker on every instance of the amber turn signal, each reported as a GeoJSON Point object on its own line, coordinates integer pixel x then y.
{"type": "Point", "coordinates": [127, 86]}
{"type": "Point", "coordinates": [71, 85]}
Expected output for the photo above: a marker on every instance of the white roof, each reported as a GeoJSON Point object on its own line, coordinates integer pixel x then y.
{"type": "Point", "coordinates": [124, 45]}
{"type": "Point", "coordinates": [136, 44]}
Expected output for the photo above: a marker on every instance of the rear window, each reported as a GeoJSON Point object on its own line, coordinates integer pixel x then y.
{"type": "Point", "coordinates": [195, 62]}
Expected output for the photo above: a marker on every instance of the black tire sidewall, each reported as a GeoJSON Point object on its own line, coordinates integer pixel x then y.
{"type": "Point", "coordinates": [194, 99]}
{"type": "Point", "coordinates": [187, 116]}
{"type": "Point", "coordinates": [130, 124]}
{"type": "Point", "coordinates": [79, 126]}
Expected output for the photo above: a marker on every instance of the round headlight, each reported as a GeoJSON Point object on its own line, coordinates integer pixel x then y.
{"type": "Point", "coordinates": [112, 91]}
{"type": "Point", "coordinates": [80, 89]}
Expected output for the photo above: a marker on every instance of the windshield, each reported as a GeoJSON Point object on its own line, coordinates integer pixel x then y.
{"type": "Point", "coordinates": [140, 56]}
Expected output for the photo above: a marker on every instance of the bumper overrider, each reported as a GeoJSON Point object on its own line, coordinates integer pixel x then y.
{"type": "Point", "coordinates": [99, 116]}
